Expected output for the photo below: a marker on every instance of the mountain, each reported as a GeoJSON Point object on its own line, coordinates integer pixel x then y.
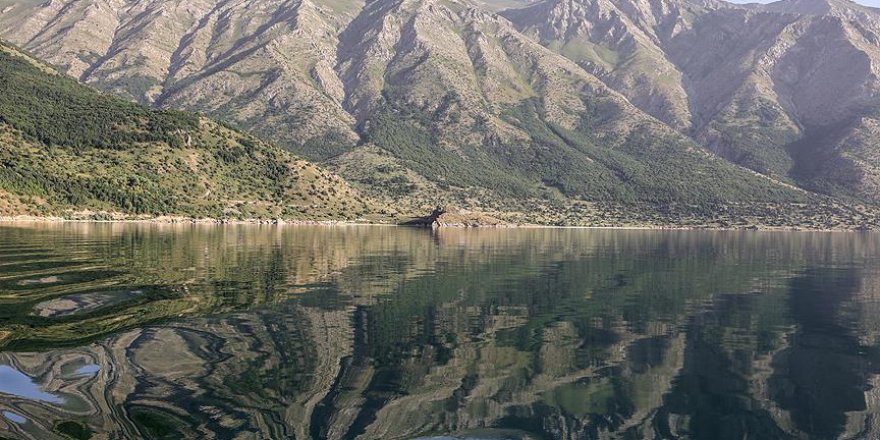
{"type": "Point", "coordinates": [459, 96]}
{"type": "Point", "coordinates": [788, 89]}
{"type": "Point", "coordinates": [416, 101]}
{"type": "Point", "coordinates": [70, 150]}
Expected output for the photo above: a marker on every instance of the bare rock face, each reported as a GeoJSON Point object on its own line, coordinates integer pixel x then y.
{"type": "Point", "coordinates": [466, 93]}
{"type": "Point", "coordinates": [267, 65]}
{"type": "Point", "coordinates": [620, 42]}
{"type": "Point", "coordinates": [461, 218]}
{"type": "Point", "coordinates": [750, 83]}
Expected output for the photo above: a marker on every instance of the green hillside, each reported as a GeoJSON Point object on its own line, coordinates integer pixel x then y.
{"type": "Point", "coordinates": [647, 165]}
{"type": "Point", "coordinates": [69, 150]}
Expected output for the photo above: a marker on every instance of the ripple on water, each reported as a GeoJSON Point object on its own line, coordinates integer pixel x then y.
{"type": "Point", "coordinates": [88, 370]}
{"type": "Point", "coordinates": [52, 279]}
{"type": "Point", "coordinates": [461, 438]}
{"type": "Point", "coordinates": [82, 368]}
{"type": "Point", "coordinates": [72, 277]}
{"type": "Point", "coordinates": [16, 383]}
{"type": "Point", "coordinates": [73, 304]}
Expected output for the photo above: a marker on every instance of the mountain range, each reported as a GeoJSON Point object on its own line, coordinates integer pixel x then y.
{"type": "Point", "coordinates": [496, 105]}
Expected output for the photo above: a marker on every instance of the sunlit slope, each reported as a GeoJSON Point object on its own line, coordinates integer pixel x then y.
{"type": "Point", "coordinates": [66, 147]}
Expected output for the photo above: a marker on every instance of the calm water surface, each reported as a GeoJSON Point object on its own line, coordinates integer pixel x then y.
{"type": "Point", "coordinates": [247, 332]}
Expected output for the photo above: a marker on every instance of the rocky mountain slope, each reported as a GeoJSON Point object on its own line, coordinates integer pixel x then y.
{"type": "Point", "coordinates": [788, 89]}
{"type": "Point", "coordinates": [267, 65]}
{"type": "Point", "coordinates": [430, 99]}
{"type": "Point", "coordinates": [70, 150]}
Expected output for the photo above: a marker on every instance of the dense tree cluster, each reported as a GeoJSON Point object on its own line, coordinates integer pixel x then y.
{"type": "Point", "coordinates": [648, 165]}
{"type": "Point", "coordinates": [56, 110]}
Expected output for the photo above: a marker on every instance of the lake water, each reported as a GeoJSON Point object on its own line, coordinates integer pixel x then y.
{"type": "Point", "coordinates": [266, 332]}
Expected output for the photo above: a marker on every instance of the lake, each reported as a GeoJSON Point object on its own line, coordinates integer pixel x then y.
{"type": "Point", "coordinates": [348, 332]}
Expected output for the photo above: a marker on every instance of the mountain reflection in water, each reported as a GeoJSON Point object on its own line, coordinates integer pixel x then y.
{"type": "Point", "coordinates": [161, 331]}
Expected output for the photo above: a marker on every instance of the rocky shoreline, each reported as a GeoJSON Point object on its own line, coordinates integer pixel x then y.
{"type": "Point", "coordinates": [180, 220]}
{"type": "Point", "coordinates": [440, 218]}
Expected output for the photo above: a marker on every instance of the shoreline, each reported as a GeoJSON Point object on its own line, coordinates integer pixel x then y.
{"type": "Point", "coordinates": [281, 222]}
{"type": "Point", "coordinates": [189, 221]}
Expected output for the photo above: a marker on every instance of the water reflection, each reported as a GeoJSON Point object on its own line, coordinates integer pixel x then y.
{"type": "Point", "coordinates": [87, 370]}
{"type": "Point", "coordinates": [79, 303]}
{"type": "Point", "coordinates": [822, 377]}
{"type": "Point", "coordinates": [15, 418]}
{"type": "Point", "coordinates": [15, 383]}
{"type": "Point", "coordinates": [384, 333]}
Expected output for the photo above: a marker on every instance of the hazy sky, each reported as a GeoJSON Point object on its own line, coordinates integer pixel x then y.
{"type": "Point", "coordinates": [874, 3]}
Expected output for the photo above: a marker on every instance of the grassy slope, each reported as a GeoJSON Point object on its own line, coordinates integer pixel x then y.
{"type": "Point", "coordinates": [648, 166]}
{"type": "Point", "coordinates": [64, 146]}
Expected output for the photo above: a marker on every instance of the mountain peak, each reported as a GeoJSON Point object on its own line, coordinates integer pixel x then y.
{"type": "Point", "coordinates": [817, 7]}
